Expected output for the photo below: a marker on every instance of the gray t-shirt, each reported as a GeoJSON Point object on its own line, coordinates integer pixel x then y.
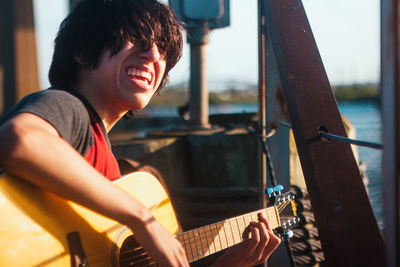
{"type": "Point", "coordinates": [64, 110]}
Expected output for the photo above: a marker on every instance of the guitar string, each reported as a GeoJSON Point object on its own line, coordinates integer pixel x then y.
{"type": "Point", "coordinates": [138, 261]}
{"type": "Point", "coordinates": [133, 251]}
{"type": "Point", "coordinates": [209, 232]}
{"type": "Point", "coordinates": [205, 231]}
{"type": "Point", "coordinates": [283, 206]}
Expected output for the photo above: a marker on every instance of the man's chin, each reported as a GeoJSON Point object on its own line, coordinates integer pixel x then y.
{"type": "Point", "coordinates": [140, 102]}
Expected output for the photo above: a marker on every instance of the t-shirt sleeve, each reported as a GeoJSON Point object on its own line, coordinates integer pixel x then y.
{"type": "Point", "coordinates": [64, 111]}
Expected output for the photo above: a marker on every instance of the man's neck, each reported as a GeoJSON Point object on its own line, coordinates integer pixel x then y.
{"type": "Point", "coordinates": [107, 111]}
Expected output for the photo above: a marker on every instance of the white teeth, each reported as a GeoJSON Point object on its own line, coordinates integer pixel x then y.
{"type": "Point", "coordinates": [140, 73]}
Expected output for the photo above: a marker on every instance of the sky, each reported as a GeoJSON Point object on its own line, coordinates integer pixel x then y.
{"type": "Point", "coordinates": [347, 33]}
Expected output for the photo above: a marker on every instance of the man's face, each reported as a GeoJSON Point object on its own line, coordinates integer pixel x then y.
{"type": "Point", "coordinates": [129, 79]}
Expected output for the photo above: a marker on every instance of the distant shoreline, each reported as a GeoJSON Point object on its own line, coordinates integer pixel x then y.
{"type": "Point", "coordinates": [178, 96]}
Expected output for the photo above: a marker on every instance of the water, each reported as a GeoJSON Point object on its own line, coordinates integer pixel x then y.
{"type": "Point", "coordinates": [365, 117]}
{"type": "Point", "coordinates": [213, 109]}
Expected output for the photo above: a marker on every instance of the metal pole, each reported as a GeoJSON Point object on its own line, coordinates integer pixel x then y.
{"type": "Point", "coordinates": [390, 122]}
{"type": "Point", "coordinates": [198, 102]}
{"type": "Point", "coordinates": [261, 100]}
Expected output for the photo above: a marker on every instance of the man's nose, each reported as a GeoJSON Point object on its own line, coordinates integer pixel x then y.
{"type": "Point", "coordinates": [151, 54]}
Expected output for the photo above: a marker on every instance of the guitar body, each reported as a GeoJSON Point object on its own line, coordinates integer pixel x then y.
{"type": "Point", "coordinates": [34, 223]}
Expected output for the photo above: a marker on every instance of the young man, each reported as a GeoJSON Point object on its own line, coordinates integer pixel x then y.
{"type": "Point", "coordinates": [110, 57]}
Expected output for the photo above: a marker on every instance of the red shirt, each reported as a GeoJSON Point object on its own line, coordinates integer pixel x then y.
{"type": "Point", "coordinates": [100, 155]}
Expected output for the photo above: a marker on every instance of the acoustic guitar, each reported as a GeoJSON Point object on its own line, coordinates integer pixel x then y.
{"type": "Point", "coordinates": [38, 228]}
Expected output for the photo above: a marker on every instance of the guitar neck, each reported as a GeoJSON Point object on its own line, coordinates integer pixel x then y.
{"type": "Point", "coordinates": [207, 240]}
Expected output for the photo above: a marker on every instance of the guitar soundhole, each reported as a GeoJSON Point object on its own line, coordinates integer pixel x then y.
{"type": "Point", "coordinates": [132, 254]}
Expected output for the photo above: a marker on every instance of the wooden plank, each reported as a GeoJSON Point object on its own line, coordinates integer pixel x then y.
{"type": "Point", "coordinates": [347, 227]}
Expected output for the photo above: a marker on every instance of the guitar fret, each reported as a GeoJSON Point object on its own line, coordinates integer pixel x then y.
{"type": "Point", "coordinates": [244, 221]}
{"type": "Point", "coordinates": [192, 240]}
{"type": "Point", "coordinates": [213, 237]}
{"type": "Point", "coordinates": [189, 251]}
{"type": "Point", "coordinates": [228, 234]}
{"type": "Point", "coordinates": [240, 228]}
{"type": "Point", "coordinates": [238, 231]}
{"type": "Point", "coordinates": [224, 243]}
{"type": "Point", "coordinates": [272, 217]}
{"type": "Point", "coordinates": [241, 225]}
{"type": "Point", "coordinates": [267, 213]}
{"type": "Point", "coordinates": [207, 240]}
{"type": "Point", "coordinates": [204, 246]}
{"type": "Point", "coordinates": [194, 245]}
{"type": "Point", "coordinates": [254, 216]}
{"type": "Point", "coordinates": [248, 220]}
{"type": "Point", "coordinates": [199, 243]}
{"type": "Point", "coordinates": [218, 245]}
{"type": "Point", "coordinates": [180, 239]}
{"type": "Point", "coordinates": [233, 233]}
{"type": "Point", "coordinates": [204, 241]}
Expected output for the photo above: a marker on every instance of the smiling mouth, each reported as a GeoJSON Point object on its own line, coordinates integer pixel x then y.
{"type": "Point", "coordinates": [141, 75]}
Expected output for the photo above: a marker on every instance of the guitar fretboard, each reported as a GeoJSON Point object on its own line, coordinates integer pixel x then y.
{"type": "Point", "coordinates": [207, 240]}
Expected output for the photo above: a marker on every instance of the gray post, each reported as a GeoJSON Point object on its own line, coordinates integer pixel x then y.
{"type": "Point", "coordinates": [198, 100]}
{"type": "Point", "coordinates": [390, 100]}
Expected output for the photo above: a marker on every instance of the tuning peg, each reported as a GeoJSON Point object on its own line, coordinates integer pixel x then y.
{"type": "Point", "coordinates": [278, 188]}
{"type": "Point", "coordinates": [270, 195]}
{"type": "Point", "coordinates": [287, 234]}
{"type": "Point", "coordinates": [269, 191]}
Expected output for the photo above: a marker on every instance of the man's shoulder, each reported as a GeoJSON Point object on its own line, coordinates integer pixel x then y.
{"type": "Point", "coordinates": [58, 94]}
{"type": "Point", "coordinates": [48, 103]}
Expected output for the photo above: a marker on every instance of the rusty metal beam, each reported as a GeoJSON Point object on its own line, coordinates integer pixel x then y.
{"type": "Point", "coordinates": [347, 227]}
{"type": "Point", "coordinates": [18, 60]}
{"type": "Point", "coordinates": [390, 62]}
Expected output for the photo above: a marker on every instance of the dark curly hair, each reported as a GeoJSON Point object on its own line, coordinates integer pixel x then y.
{"type": "Point", "coordinates": [95, 25]}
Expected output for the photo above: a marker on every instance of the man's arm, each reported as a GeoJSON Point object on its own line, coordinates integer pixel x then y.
{"type": "Point", "coordinates": [33, 150]}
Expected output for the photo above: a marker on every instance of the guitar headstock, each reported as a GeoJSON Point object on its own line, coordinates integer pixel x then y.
{"type": "Point", "coordinates": [286, 207]}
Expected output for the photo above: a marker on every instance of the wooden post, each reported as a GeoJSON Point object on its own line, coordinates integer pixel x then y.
{"type": "Point", "coordinates": [18, 60]}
